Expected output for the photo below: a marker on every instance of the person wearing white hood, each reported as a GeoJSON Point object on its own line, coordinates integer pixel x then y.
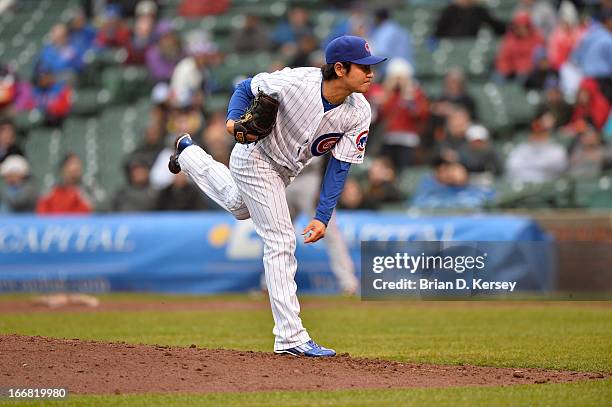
{"type": "Point", "coordinates": [19, 193]}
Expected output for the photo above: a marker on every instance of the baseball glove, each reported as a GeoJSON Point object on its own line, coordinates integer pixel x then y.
{"type": "Point", "coordinates": [258, 120]}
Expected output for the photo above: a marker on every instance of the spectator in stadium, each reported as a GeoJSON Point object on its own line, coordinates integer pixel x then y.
{"type": "Point", "coordinates": [543, 14]}
{"type": "Point", "coordinates": [352, 196]}
{"type": "Point", "coordinates": [593, 53]}
{"type": "Point", "coordinates": [192, 76]}
{"type": "Point", "coordinates": [464, 18]}
{"type": "Point", "coordinates": [555, 103]}
{"type": "Point", "coordinates": [389, 38]}
{"type": "Point", "coordinates": [454, 137]}
{"type": "Point", "coordinates": [589, 156]}
{"type": "Point", "coordinates": [146, 8]}
{"type": "Point", "coordinates": [15, 93]}
{"type": "Point", "coordinates": [251, 37]}
{"type": "Point", "coordinates": [52, 97]}
{"type": "Point", "coordinates": [356, 23]}
{"type": "Point", "coordinates": [150, 146]}
{"type": "Point", "coordinates": [129, 8]}
{"type": "Point", "coordinates": [381, 187]}
{"type": "Point", "coordinates": [542, 73]}
{"type": "Point", "coordinates": [70, 195]}
{"type": "Point", "coordinates": [82, 34]}
{"type": "Point", "coordinates": [477, 155]}
{"type": "Point", "coordinates": [287, 34]}
{"type": "Point", "coordinates": [59, 55]}
{"type": "Point", "coordinates": [307, 46]}
{"type": "Point", "coordinates": [591, 105]}
{"type": "Point", "coordinates": [448, 187]}
{"type": "Point", "coordinates": [8, 90]}
{"type": "Point", "coordinates": [180, 196]}
{"type": "Point", "coordinates": [539, 159]}
{"type": "Point", "coordinates": [184, 116]}
{"type": "Point", "coordinates": [190, 8]}
{"type": "Point", "coordinates": [565, 36]}
{"type": "Point", "coordinates": [19, 193]}
{"type": "Point", "coordinates": [8, 140]}
{"type": "Point", "coordinates": [114, 32]}
{"type": "Point", "coordinates": [215, 140]}
{"type": "Point", "coordinates": [142, 38]}
{"type": "Point", "coordinates": [137, 195]}
{"type": "Point", "coordinates": [454, 93]}
{"type": "Point", "coordinates": [160, 109]}
{"type": "Point", "coordinates": [163, 57]}
{"type": "Point", "coordinates": [403, 108]}
{"type": "Point", "coordinates": [516, 53]}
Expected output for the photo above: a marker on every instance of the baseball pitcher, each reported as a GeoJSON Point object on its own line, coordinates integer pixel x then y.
{"type": "Point", "coordinates": [281, 120]}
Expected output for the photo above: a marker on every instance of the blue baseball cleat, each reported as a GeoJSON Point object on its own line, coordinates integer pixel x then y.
{"type": "Point", "coordinates": [182, 142]}
{"type": "Point", "coordinates": [310, 348]}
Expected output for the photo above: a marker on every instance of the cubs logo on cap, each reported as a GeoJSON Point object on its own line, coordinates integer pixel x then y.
{"type": "Point", "coordinates": [350, 48]}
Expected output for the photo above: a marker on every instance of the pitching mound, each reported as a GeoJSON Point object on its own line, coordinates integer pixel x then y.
{"type": "Point", "coordinates": [102, 368]}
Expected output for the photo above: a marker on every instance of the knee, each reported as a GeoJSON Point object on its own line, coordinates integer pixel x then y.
{"type": "Point", "coordinates": [282, 242]}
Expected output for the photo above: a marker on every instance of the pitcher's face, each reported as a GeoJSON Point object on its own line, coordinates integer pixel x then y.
{"type": "Point", "coordinates": [359, 78]}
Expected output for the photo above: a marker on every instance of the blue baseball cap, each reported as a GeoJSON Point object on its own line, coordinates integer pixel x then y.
{"type": "Point", "coordinates": [349, 48]}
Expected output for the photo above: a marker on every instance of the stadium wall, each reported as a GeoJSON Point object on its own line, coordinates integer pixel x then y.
{"type": "Point", "coordinates": [205, 253]}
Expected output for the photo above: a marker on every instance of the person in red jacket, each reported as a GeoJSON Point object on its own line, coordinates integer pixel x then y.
{"type": "Point", "coordinates": [591, 106]}
{"type": "Point", "coordinates": [403, 108]}
{"type": "Point", "coordinates": [52, 97]}
{"type": "Point", "coordinates": [515, 57]}
{"type": "Point", "coordinates": [114, 32]}
{"type": "Point", "coordinates": [68, 196]}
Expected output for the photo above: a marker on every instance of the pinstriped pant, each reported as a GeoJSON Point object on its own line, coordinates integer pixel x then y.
{"type": "Point", "coordinates": [254, 186]}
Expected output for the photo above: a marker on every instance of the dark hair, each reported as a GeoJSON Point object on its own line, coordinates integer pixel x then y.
{"type": "Point", "coordinates": [439, 161]}
{"type": "Point", "coordinates": [7, 121]}
{"type": "Point", "coordinates": [329, 72]}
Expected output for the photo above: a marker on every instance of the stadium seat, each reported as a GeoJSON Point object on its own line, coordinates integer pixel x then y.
{"type": "Point", "coordinates": [593, 192]}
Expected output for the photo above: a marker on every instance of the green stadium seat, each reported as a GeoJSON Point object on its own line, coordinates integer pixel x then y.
{"type": "Point", "coordinates": [27, 121]}
{"type": "Point", "coordinates": [89, 101]}
{"type": "Point", "coordinates": [593, 192]}
{"type": "Point", "coordinates": [234, 67]}
{"type": "Point", "coordinates": [43, 149]}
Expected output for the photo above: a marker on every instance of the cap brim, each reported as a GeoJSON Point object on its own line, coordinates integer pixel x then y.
{"type": "Point", "coordinates": [371, 60]}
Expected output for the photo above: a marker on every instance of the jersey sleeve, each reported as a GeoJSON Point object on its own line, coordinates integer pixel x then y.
{"type": "Point", "coordinates": [271, 83]}
{"type": "Point", "coordinates": [351, 147]}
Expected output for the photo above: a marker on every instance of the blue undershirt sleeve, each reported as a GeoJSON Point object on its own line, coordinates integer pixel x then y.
{"type": "Point", "coordinates": [240, 101]}
{"type": "Point", "coordinates": [333, 183]}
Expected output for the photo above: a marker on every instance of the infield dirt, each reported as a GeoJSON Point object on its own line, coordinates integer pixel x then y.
{"type": "Point", "coordinates": [89, 367]}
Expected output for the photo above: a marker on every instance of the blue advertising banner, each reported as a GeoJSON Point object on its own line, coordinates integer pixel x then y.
{"type": "Point", "coordinates": [209, 252]}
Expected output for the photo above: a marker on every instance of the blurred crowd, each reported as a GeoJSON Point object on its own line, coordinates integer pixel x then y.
{"type": "Point", "coordinates": [560, 49]}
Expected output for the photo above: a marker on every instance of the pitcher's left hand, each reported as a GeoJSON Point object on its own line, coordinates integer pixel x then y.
{"type": "Point", "coordinates": [314, 231]}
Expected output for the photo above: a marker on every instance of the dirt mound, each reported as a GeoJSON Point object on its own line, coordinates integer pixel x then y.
{"type": "Point", "coordinates": [102, 368]}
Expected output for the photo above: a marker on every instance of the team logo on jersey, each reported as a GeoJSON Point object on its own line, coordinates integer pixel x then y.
{"type": "Point", "coordinates": [361, 140]}
{"type": "Point", "coordinates": [324, 143]}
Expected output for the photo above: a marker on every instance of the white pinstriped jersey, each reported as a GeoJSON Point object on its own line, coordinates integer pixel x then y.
{"type": "Point", "coordinates": [254, 184]}
{"type": "Point", "coordinates": [303, 129]}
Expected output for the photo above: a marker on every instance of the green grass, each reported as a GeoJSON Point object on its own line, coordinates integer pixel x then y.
{"type": "Point", "coordinates": [575, 394]}
{"type": "Point", "coordinates": [560, 335]}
